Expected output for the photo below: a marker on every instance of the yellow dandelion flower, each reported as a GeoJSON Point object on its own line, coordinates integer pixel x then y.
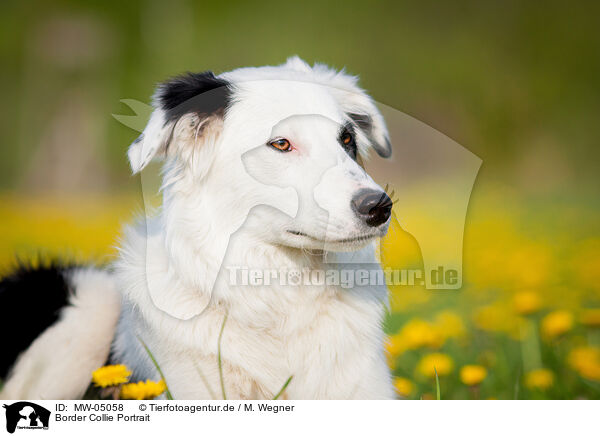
{"type": "Point", "coordinates": [590, 317]}
{"type": "Point", "coordinates": [404, 386]}
{"type": "Point", "coordinates": [429, 364]}
{"type": "Point", "coordinates": [415, 334]}
{"type": "Point", "coordinates": [472, 374]}
{"type": "Point", "coordinates": [498, 317]}
{"type": "Point", "coordinates": [539, 379]}
{"type": "Point", "coordinates": [449, 324]}
{"type": "Point", "coordinates": [557, 323]}
{"type": "Point", "coordinates": [143, 390]}
{"type": "Point", "coordinates": [394, 346]}
{"type": "Point", "coordinates": [527, 302]}
{"type": "Point", "coordinates": [586, 361]}
{"type": "Point", "coordinates": [418, 333]}
{"type": "Point", "coordinates": [110, 375]}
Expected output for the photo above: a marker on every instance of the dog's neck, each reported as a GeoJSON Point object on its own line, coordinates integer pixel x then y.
{"type": "Point", "coordinates": [184, 273]}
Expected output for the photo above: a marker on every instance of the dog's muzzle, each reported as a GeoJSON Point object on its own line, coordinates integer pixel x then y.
{"type": "Point", "coordinates": [372, 206]}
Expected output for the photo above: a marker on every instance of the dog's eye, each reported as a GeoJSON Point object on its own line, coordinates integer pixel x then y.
{"type": "Point", "coordinates": [281, 144]}
{"type": "Point", "coordinates": [346, 138]}
{"type": "Point", "coordinates": [349, 143]}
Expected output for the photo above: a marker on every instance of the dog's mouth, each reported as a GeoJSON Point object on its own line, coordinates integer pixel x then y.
{"type": "Point", "coordinates": [352, 240]}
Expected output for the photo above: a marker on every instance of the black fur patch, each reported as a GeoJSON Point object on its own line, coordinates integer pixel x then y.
{"type": "Point", "coordinates": [202, 93]}
{"type": "Point", "coordinates": [363, 121]}
{"type": "Point", "coordinates": [30, 302]}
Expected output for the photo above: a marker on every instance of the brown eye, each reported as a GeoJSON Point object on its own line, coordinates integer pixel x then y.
{"type": "Point", "coordinates": [281, 144]}
{"type": "Point", "coordinates": [346, 138]}
{"type": "Point", "coordinates": [348, 141]}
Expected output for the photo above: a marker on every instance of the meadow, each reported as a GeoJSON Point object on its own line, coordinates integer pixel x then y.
{"type": "Point", "coordinates": [525, 325]}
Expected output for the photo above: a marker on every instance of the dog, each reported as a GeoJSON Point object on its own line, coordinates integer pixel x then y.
{"type": "Point", "coordinates": [262, 170]}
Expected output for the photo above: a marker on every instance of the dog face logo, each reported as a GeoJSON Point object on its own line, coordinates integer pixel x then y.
{"type": "Point", "coordinates": [26, 415]}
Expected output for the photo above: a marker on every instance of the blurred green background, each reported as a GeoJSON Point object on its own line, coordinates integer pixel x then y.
{"type": "Point", "coordinates": [514, 82]}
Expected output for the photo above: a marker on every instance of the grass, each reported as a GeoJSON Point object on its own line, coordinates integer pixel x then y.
{"type": "Point", "coordinates": [437, 385]}
{"type": "Point", "coordinates": [220, 363]}
{"type": "Point", "coordinates": [157, 366]}
{"type": "Point", "coordinates": [205, 381]}
{"type": "Point", "coordinates": [283, 388]}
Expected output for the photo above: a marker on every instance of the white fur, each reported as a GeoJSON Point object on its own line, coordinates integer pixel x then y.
{"type": "Point", "coordinates": [59, 363]}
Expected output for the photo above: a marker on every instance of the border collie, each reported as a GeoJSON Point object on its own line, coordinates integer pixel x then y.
{"type": "Point", "coordinates": [262, 171]}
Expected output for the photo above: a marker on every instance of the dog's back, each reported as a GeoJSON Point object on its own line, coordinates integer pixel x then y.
{"type": "Point", "coordinates": [57, 325]}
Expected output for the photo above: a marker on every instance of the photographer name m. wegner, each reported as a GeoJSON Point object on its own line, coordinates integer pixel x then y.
{"type": "Point", "coordinates": [344, 277]}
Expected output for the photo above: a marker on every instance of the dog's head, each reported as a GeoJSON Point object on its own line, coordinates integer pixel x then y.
{"type": "Point", "coordinates": [238, 142]}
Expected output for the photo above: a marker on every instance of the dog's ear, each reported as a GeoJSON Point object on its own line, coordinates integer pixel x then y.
{"type": "Point", "coordinates": [297, 64]}
{"type": "Point", "coordinates": [153, 138]}
{"type": "Point", "coordinates": [369, 123]}
{"type": "Point", "coordinates": [200, 94]}
{"type": "Point", "coordinates": [359, 108]}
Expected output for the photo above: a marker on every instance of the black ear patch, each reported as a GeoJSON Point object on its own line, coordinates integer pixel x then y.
{"type": "Point", "coordinates": [202, 93]}
{"type": "Point", "coordinates": [363, 121]}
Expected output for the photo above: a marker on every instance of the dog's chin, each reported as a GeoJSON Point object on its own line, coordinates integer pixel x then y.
{"type": "Point", "coordinates": [298, 239]}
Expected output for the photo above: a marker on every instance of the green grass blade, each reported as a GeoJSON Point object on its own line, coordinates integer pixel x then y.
{"type": "Point", "coordinates": [283, 388]}
{"type": "Point", "coordinates": [437, 384]}
{"type": "Point", "coordinates": [167, 391]}
{"type": "Point", "coordinates": [219, 358]}
{"type": "Point", "coordinates": [204, 380]}
{"type": "Point", "coordinates": [517, 385]}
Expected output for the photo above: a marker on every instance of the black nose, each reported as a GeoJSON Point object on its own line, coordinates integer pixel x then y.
{"type": "Point", "coordinates": [373, 207]}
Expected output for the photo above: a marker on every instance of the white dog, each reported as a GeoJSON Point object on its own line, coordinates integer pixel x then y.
{"type": "Point", "coordinates": [261, 172]}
